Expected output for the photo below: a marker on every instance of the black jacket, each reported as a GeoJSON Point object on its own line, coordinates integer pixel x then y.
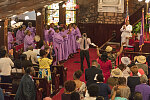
{"type": "Point", "coordinates": [26, 90]}
{"type": "Point", "coordinates": [90, 75]}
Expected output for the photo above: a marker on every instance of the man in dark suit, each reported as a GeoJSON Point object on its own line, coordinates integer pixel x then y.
{"type": "Point", "coordinates": [27, 90]}
{"type": "Point", "coordinates": [91, 72]}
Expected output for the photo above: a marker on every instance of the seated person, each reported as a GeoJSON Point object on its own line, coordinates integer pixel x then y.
{"type": "Point", "coordinates": [137, 96]}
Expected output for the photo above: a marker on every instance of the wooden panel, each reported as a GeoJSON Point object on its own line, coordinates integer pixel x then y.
{"type": "Point", "coordinates": [100, 33]}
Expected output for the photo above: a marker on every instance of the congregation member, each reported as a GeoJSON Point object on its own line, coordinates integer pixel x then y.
{"type": "Point", "coordinates": [84, 42]}
{"type": "Point", "coordinates": [143, 88]}
{"type": "Point", "coordinates": [99, 98]}
{"type": "Point", "coordinates": [31, 29]}
{"type": "Point", "coordinates": [69, 88]}
{"type": "Point", "coordinates": [105, 66]}
{"type": "Point", "coordinates": [77, 35]}
{"type": "Point", "coordinates": [58, 43]}
{"type": "Point", "coordinates": [10, 39]}
{"type": "Point", "coordinates": [27, 88]}
{"type": "Point", "coordinates": [126, 33]}
{"type": "Point", "coordinates": [51, 32]}
{"type": "Point", "coordinates": [31, 55]}
{"type": "Point", "coordinates": [28, 40]}
{"type": "Point", "coordinates": [137, 96]}
{"type": "Point", "coordinates": [80, 86]}
{"type": "Point", "coordinates": [140, 62]}
{"type": "Point", "coordinates": [23, 29]}
{"type": "Point", "coordinates": [93, 92]}
{"type": "Point", "coordinates": [6, 65]}
{"type": "Point", "coordinates": [104, 89]}
{"type": "Point", "coordinates": [124, 89]}
{"type": "Point", "coordinates": [91, 72]}
{"type": "Point", "coordinates": [134, 80]}
{"type": "Point", "coordinates": [64, 34]}
{"type": "Point", "coordinates": [20, 36]}
{"type": "Point", "coordinates": [46, 34]}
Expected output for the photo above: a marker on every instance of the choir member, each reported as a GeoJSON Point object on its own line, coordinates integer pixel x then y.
{"type": "Point", "coordinates": [51, 32]}
{"type": "Point", "coordinates": [64, 34]}
{"type": "Point", "coordinates": [28, 40]}
{"type": "Point", "coordinates": [23, 29]}
{"type": "Point", "coordinates": [20, 36]}
{"type": "Point", "coordinates": [31, 29]}
{"type": "Point", "coordinates": [77, 35]}
{"type": "Point", "coordinates": [10, 39]}
{"type": "Point", "coordinates": [58, 43]}
{"type": "Point", "coordinates": [46, 34]}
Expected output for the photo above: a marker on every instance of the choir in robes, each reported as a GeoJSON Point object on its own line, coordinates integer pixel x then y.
{"type": "Point", "coordinates": [77, 35]}
{"type": "Point", "coordinates": [20, 36]}
{"type": "Point", "coordinates": [10, 40]}
{"type": "Point", "coordinates": [58, 43]}
{"type": "Point", "coordinates": [46, 34]}
{"type": "Point", "coordinates": [51, 32]}
{"type": "Point", "coordinates": [32, 29]}
{"type": "Point", "coordinates": [28, 40]}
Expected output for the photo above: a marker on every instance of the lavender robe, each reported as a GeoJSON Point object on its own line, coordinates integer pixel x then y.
{"type": "Point", "coordinates": [66, 51]}
{"type": "Point", "coordinates": [58, 44]}
{"type": "Point", "coordinates": [72, 42]}
{"type": "Point", "coordinates": [10, 40]}
{"type": "Point", "coordinates": [19, 37]}
{"type": "Point", "coordinates": [28, 41]}
{"type": "Point", "coordinates": [32, 30]}
{"type": "Point", "coordinates": [51, 34]}
{"type": "Point", "coordinates": [46, 36]}
{"type": "Point", "coordinates": [77, 34]}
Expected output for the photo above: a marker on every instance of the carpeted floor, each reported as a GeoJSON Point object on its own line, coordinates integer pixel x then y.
{"type": "Point", "coordinates": [74, 65]}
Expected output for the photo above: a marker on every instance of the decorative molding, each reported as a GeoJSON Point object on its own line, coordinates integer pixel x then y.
{"type": "Point", "coordinates": [116, 6]}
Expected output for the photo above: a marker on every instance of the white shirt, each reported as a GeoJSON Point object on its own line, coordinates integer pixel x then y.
{"type": "Point", "coordinates": [90, 98]}
{"type": "Point", "coordinates": [5, 66]}
{"type": "Point", "coordinates": [87, 43]}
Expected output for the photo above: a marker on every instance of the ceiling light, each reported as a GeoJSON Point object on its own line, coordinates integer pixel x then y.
{"type": "Point", "coordinates": [38, 13]}
{"type": "Point", "coordinates": [14, 15]}
{"type": "Point", "coordinates": [146, 1]}
{"type": "Point", "coordinates": [13, 22]}
{"type": "Point", "coordinates": [25, 12]}
{"type": "Point", "coordinates": [139, 0]}
{"type": "Point", "coordinates": [26, 17]}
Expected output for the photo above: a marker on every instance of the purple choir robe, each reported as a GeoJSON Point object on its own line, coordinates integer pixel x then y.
{"type": "Point", "coordinates": [66, 51]}
{"type": "Point", "coordinates": [51, 34]}
{"type": "Point", "coordinates": [58, 44]}
{"type": "Point", "coordinates": [77, 34]}
{"type": "Point", "coordinates": [72, 42]}
{"type": "Point", "coordinates": [20, 37]}
{"type": "Point", "coordinates": [28, 41]}
{"type": "Point", "coordinates": [32, 30]}
{"type": "Point", "coordinates": [46, 36]}
{"type": "Point", "coordinates": [10, 40]}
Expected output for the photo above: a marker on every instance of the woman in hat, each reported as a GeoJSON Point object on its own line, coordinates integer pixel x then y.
{"type": "Point", "coordinates": [106, 66]}
{"type": "Point", "coordinates": [140, 62]}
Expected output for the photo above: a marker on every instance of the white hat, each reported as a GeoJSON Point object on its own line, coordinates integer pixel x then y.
{"type": "Point", "coordinates": [125, 60]}
{"type": "Point", "coordinates": [116, 73]}
{"type": "Point", "coordinates": [108, 49]}
{"type": "Point", "coordinates": [141, 59]}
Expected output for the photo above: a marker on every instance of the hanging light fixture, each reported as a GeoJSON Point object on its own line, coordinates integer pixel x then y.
{"type": "Point", "coordinates": [147, 1]}
{"type": "Point", "coordinates": [139, 0]}
{"type": "Point", "coordinates": [38, 13]}
{"type": "Point", "coordinates": [26, 17]}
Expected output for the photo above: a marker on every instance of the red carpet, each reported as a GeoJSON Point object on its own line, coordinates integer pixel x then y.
{"type": "Point", "coordinates": [72, 67]}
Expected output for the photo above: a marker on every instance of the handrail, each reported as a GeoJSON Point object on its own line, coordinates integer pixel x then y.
{"type": "Point", "coordinates": [137, 22]}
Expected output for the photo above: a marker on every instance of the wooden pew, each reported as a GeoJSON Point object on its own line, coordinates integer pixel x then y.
{"type": "Point", "coordinates": [55, 82]}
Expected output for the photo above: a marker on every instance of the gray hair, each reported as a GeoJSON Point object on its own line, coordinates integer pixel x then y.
{"type": "Point", "coordinates": [143, 79]}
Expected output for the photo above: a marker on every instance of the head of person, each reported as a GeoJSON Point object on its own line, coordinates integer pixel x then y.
{"type": "Point", "coordinates": [77, 74]}
{"type": "Point", "coordinates": [74, 25]}
{"type": "Point", "coordinates": [93, 90]}
{"type": "Point", "coordinates": [133, 67]}
{"type": "Point", "coordinates": [46, 27]}
{"type": "Point", "coordinates": [118, 93]}
{"type": "Point", "coordinates": [61, 29]}
{"type": "Point", "coordinates": [137, 96]}
{"type": "Point", "coordinates": [30, 71]}
{"type": "Point", "coordinates": [56, 30]}
{"type": "Point", "coordinates": [75, 96]}
{"type": "Point", "coordinates": [121, 81]}
{"type": "Point", "coordinates": [27, 32]}
{"type": "Point", "coordinates": [108, 49]}
{"type": "Point", "coordinates": [122, 67]}
{"type": "Point", "coordinates": [69, 26]}
{"type": "Point", "coordinates": [125, 60]}
{"type": "Point", "coordinates": [116, 73]}
{"type": "Point", "coordinates": [104, 57]}
{"type": "Point", "coordinates": [30, 48]}
{"type": "Point", "coordinates": [143, 79]}
{"type": "Point", "coordinates": [70, 86]}
{"type": "Point", "coordinates": [52, 25]}
{"type": "Point", "coordinates": [24, 27]}
{"type": "Point", "coordinates": [100, 78]}
{"type": "Point", "coordinates": [94, 63]}
{"type": "Point", "coordinates": [84, 35]}
{"type": "Point", "coordinates": [3, 48]}
{"type": "Point", "coordinates": [100, 98]}
{"type": "Point", "coordinates": [46, 48]}
{"type": "Point", "coordinates": [30, 24]}
{"type": "Point", "coordinates": [23, 57]}
{"type": "Point", "coordinates": [127, 22]}
{"type": "Point", "coordinates": [2, 53]}
{"type": "Point", "coordinates": [43, 53]}
{"type": "Point", "coordinates": [65, 27]}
